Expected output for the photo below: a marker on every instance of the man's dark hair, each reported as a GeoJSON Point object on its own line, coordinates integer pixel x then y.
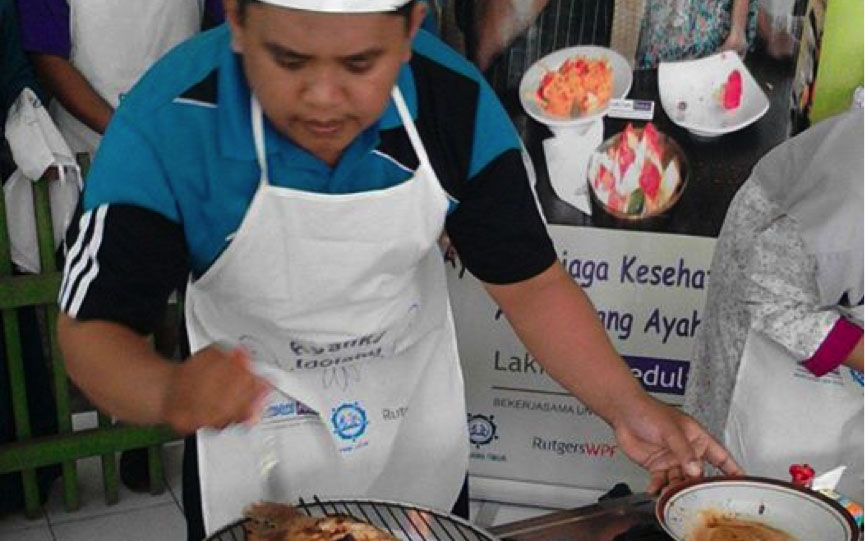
{"type": "Point", "coordinates": [402, 11]}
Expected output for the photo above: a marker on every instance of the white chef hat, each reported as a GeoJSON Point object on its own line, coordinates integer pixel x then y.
{"type": "Point", "coordinates": [341, 6]}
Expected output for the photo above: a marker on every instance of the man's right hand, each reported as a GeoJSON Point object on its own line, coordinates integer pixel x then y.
{"type": "Point", "coordinates": [214, 388]}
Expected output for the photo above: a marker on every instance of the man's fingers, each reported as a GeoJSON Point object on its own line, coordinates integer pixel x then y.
{"type": "Point", "coordinates": [253, 399]}
{"type": "Point", "coordinates": [657, 481]}
{"type": "Point", "coordinates": [674, 475]}
{"type": "Point", "coordinates": [711, 451]}
{"type": "Point", "coordinates": [241, 357]}
{"type": "Point", "coordinates": [717, 456]}
{"type": "Point", "coordinates": [661, 480]}
{"type": "Point", "coordinates": [243, 392]}
{"type": "Point", "coordinates": [681, 448]}
{"type": "Point", "coordinates": [260, 393]}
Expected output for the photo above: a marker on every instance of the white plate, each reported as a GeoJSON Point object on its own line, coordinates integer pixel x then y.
{"type": "Point", "coordinates": [622, 79]}
{"type": "Point", "coordinates": [696, 83]}
{"type": "Point", "coordinates": [801, 513]}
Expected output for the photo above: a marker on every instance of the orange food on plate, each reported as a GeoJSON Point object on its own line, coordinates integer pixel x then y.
{"type": "Point", "coordinates": [580, 85]}
{"type": "Point", "coordinates": [716, 526]}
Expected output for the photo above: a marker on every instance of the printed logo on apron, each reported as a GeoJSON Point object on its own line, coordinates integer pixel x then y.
{"type": "Point", "coordinates": [338, 361]}
{"type": "Point", "coordinates": [349, 423]}
{"type": "Point", "coordinates": [280, 409]}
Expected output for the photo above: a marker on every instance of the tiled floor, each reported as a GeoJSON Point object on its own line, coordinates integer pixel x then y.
{"type": "Point", "coordinates": [143, 517]}
{"type": "Point", "coordinates": [136, 517]}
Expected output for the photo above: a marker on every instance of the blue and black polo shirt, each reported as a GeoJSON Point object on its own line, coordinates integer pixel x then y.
{"type": "Point", "coordinates": [176, 172]}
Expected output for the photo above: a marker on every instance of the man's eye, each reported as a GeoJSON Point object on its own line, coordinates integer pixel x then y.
{"type": "Point", "coordinates": [288, 64]}
{"type": "Point", "coordinates": [358, 66]}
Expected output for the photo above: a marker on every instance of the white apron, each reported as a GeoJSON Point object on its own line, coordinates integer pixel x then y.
{"type": "Point", "coordinates": [113, 43]}
{"type": "Point", "coordinates": [781, 414]}
{"type": "Point", "coordinates": [342, 302]}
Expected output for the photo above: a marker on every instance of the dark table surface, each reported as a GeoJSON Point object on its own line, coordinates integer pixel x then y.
{"type": "Point", "coordinates": [719, 165]}
{"type": "Point", "coordinates": [618, 516]}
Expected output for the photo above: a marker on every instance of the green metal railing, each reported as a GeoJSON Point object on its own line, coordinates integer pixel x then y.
{"type": "Point", "coordinates": [28, 452]}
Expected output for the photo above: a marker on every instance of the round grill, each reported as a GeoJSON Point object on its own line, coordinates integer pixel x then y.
{"type": "Point", "coordinates": [406, 522]}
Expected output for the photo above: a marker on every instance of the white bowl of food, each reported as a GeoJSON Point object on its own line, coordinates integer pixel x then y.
{"type": "Point", "coordinates": [711, 96]}
{"type": "Point", "coordinates": [752, 508]}
{"type": "Point", "coordinates": [637, 174]}
{"type": "Point", "coordinates": [571, 87]}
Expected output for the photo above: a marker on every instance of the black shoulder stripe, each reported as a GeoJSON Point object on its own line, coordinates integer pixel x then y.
{"type": "Point", "coordinates": [447, 108]}
{"type": "Point", "coordinates": [395, 144]}
{"type": "Point", "coordinates": [204, 91]}
{"type": "Point", "coordinates": [123, 267]}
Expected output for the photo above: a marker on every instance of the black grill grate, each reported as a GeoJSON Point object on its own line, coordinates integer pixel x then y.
{"type": "Point", "coordinates": [406, 522]}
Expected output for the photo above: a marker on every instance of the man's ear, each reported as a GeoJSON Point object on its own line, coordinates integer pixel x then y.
{"type": "Point", "coordinates": [235, 23]}
{"type": "Point", "coordinates": [416, 17]}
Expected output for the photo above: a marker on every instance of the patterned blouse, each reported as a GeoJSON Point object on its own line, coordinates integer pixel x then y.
{"type": "Point", "coordinates": [763, 278]}
{"type": "Point", "coordinates": [683, 29]}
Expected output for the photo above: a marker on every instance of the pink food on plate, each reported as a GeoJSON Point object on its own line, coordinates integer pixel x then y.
{"type": "Point", "coordinates": [731, 91]}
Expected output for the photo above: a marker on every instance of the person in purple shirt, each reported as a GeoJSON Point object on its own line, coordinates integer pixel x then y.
{"type": "Point", "coordinates": [88, 54]}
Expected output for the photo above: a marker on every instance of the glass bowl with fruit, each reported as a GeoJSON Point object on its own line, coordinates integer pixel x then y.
{"type": "Point", "coordinates": [637, 174]}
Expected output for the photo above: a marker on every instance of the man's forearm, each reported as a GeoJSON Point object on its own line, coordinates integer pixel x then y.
{"type": "Point", "coordinates": [116, 368]}
{"type": "Point", "coordinates": [560, 327]}
{"type": "Point", "coordinates": [73, 90]}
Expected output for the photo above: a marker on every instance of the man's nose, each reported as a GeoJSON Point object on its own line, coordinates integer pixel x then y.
{"type": "Point", "coordinates": [323, 88]}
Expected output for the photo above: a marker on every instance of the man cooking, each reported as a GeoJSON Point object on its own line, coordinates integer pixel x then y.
{"type": "Point", "coordinates": [299, 166]}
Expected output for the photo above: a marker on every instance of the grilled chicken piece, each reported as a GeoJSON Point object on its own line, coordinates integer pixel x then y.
{"type": "Point", "coordinates": [278, 522]}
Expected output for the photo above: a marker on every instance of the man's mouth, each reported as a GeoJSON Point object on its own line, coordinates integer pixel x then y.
{"type": "Point", "coordinates": [323, 127]}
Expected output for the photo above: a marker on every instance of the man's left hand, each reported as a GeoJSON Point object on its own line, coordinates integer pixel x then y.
{"type": "Point", "coordinates": [669, 444]}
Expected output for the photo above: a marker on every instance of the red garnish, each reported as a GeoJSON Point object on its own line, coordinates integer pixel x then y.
{"type": "Point", "coordinates": [650, 179]}
{"type": "Point", "coordinates": [650, 136]}
{"type": "Point", "coordinates": [605, 179]}
{"type": "Point", "coordinates": [625, 155]}
{"type": "Point", "coordinates": [731, 91]}
{"type": "Point", "coordinates": [802, 474]}
{"type": "Point", "coordinates": [617, 201]}
{"type": "Point", "coordinates": [581, 66]}
{"type": "Point", "coordinates": [545, 82]}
